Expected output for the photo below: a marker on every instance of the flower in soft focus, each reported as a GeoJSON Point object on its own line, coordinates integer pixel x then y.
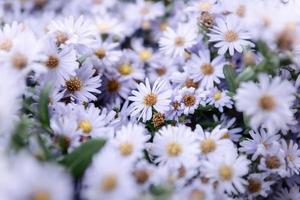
{"type": "Point", "coordinates": [267, 103]}
{"type": "Point", "coordinates": [230, 36]}
{"type": "Point", "coordinates": [176, 42]}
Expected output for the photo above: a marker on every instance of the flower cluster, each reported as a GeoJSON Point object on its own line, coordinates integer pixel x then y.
{"type": "Point", "coordinates": [112, 99]}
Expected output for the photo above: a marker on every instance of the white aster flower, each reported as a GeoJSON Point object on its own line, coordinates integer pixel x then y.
{"type": "Point", "coordinates": [84, 85]}
{"type": "Point", "coordinates": [267, 103]}
{"type": "Point", "coordinates": [202, 68]}
{"type": "Point", "coordinates": [175, 42]}
{"type": "Point", "coordinates": [219, 99]}
{"type": "Point", "coordinates": [174, 146]}
{"type": "Point", "coordinates": [292, 154]}
{"type": "Point", "coordinates": [147, 98]}
{"type": "Point", "coordinates": [228, 170]}
{"type": "Point", "coordinates": [258, 185]}
{"type": "Point", "coordinates": [292, 194]}
{"type": "Point", "coordinates": [129, 142]}
{"type": "Point", "coordinates": [229, 36]}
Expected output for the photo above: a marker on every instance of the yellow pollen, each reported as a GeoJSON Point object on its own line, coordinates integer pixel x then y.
{"type": "Point", "coordinates": [125, 69]}
{"type": "Point", "coordinates": [104, 27]}
{"type": "Point", "coordinates": [197, 194]}
{"type": "Point", "coordinates": [240, 11]}
{"type": "Point", "coordinates": [190, 83]}
{"type": "Point", "coordinates": [6, 44]}
{"type": "Point", "coordinates": [74, 84]}
{"type": "Point", "coordinates": [52, 62]}
{"type": "Point", "coordinates": [174, 149]}
{"type": "Point", "coordinates": [19, 60]}
{"type": "Point", "coordinates": [254, 185]}
{"type": "Point", "coordinates": [226, 136]}
{"type": "Point", "coordinates": [179, 41]}
{"type": "Point", "coordinates": [231, 36]}
{"type": "Point", "coordinates": [86, 126]}
{"type": "Point", "coordinates": [207, 69]}
{"type": "Point", "coordinates": [109, 183]}
{"type": "Point", "coordinates": [40, 195]}
{"type": "Point", "coordinates": [189, 100]}
{"type": "Point", "coordinates": [207, 145]}
{"type": "Point", "coordinates": [150, 99]}
{"type": "Point", "coordinates": [217, 96]}
{"type": "Point", "coordinates": [267, 102]}
{"type": "Point", "coordinates": [145, 55]}
{"type": "Point", "coordinates": [100, 53]}
{"type": "Point", "coordinates": [61, 37]}
{"type": "Point", "coordinates": [225, 172]}
{"type": "Point", "coordinates": [126, 148]}
{"type": "Point", "coordinates": [113, 85]}
{"type": "Point", "coordinates": [163, 26]}
{"type": "Point", "coordinates": [205, 6]}
{"type": "Point", "coordinates": [272, 162]}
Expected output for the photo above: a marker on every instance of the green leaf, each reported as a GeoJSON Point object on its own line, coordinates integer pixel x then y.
{"type": "Point", "coordinates": [77, 161]}
{"type": "Point", "coordinates": [43, 107]}
{"type": "Point", "coordinates": [247, 74]}
{"type": "Point", "coordinates": [19, 137]}
{"type": "Point", "coordinates": [230, 76]}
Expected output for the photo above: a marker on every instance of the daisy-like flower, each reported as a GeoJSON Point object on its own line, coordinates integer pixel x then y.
{"type": "Point", "coordinates": [212, 142]}
{"type": "Point", "coordinates": [148, 98]}
{"type": "Point", "coordinates": [202, 68]}
{"type": "Point", "coordinates": [190, 99]}
{"type": "Point", "coordinates": [259, 143]}
{"type": "Point", "coordinates": [292, 194]}
{"type": "Point", "coordinates": [219, 99]}
{"type": "Point", "coordinates": [94, 123]}
{"type": "Point", "coordinates": [175, 42]}
{"type": "Point", "coordinates": [273, 160]}
{"type": "Point", "coordinates": [292, 154]}
{"type": "Point", "coordinates": [229, 36]}
{"type": "Point", "coordinates": [174, 146]}
{"type": "Point", "coordinates": [267, 103]}
{"type": "Point", "coordinates": [258, 185]}
{"type": "Point", "coordinates": [108, 178]}
{"type": "Point", "coordinates": [228, 170]}
{"type": "Point", "coordinates": [39, 181]}
{"type": "Point", "coordinates": [69, 30]}
{"type": "Point", "coordinates": [84, 85]}
{"type": "Point", "coordinates": [61, 65]}
{"type": "Point", "coordinates": [8, 34]}
{"type": "Point", "coordinates": [130, 141]}
{"type": "Point", "coordinates": [104, 53]}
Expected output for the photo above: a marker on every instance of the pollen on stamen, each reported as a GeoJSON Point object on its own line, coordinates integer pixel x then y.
{"type": "Point", "coordinates": [150, 99]}
{"type": "Point", "coordinates": [231, 36]}
{"type": "Point", "coordinates": [74, 84]}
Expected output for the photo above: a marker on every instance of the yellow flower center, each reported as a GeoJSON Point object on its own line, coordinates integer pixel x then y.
{"type": "Point", "coordinates": [197, 194]}
{"type": "Point", "coordinates": [207, 69]}
{"type": "Point", "coordinates": [179, 41]}
{"type": "Point", "coordinates": [217, 96]}
{"type": "Point", "coordinates": [113, 85]}
{"type": "Point", "coordinates": [61, 37]}
{"type": "Point", "coordinates": [231, 36]}
{"type": "Point", "coordinates": [190, 83]}
{"type": "Point", "coordinates": [150, 99]}
{"type": "Point", "coordinates": [52, 62]}
{"type": "Point", "coordinates": [109, 183]}
{"type": "Point", "coordinates": [240, 11]}
{"type": "Point", "coordinates": [207, 145]}
{"type": "Point", "coordinates": [126, 148]}
{"type": "Point", "coordinates": [225, 172]}
{"type": "Point", "coordinates": [74, 84]}
{"type": "Point", "coordinates": [100, 53]}
{"type": "Point", "coordinates": [41, 195]}
{"type": "Point", "coordinates": [226, 136]}
{"type": "Point", "coordinates": [125, 69]}
{"type": "Point", "coordinates": [86, 126]}
{"type": "Point", "coordinates": [6, 44]}
{"type": "Point", "coordinates": [205, 6]}
{"type": "Point", "coordinates": [267, 102]}
{"type": "Point", "coordinates": [141, 176]}
{"type": "Point", "coordinates": [145, 55]}
{"type": "Point", "coordinates": [174, 149]}
{"type": "Point", "coordinates": [19, 60]}
{"type": "Point", "coordinates": [104, 27]}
